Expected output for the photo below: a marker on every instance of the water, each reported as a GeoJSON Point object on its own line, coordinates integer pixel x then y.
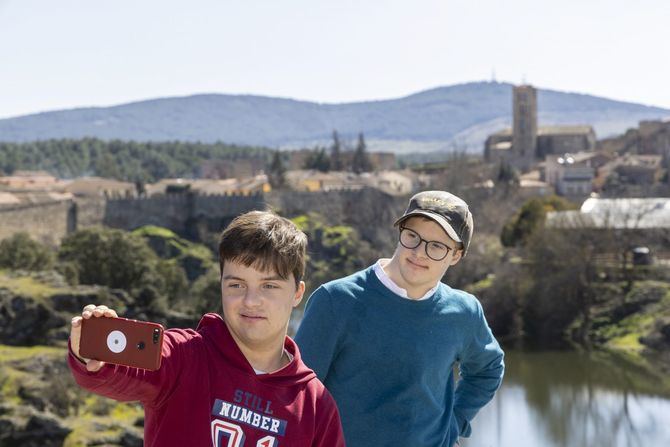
{"type": "Point", "coordinates": [561, 399]}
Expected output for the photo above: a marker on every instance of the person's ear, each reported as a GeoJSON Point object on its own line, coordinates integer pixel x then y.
{"type": "Point", "coordinates": [299, 293]}
{"type": "Point", "coordinates": [457, 257]}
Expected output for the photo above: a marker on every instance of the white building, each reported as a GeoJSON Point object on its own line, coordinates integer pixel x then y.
{"type": "Point", "coordinates": [570, 174]}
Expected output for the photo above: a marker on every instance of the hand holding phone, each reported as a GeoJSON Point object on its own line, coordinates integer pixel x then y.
{"type": "Point", "coordinates": [99, 336]}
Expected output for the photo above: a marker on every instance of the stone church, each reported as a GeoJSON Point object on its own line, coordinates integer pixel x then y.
{"type": "Point", "coordinates": [526, 143]}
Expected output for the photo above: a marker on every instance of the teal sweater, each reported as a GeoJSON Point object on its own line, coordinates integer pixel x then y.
{"type": "Point", "coordinates": [389, 361]}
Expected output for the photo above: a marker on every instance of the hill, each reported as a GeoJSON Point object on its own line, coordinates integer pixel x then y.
{"type": "Point", "coordinates": [433, 120]}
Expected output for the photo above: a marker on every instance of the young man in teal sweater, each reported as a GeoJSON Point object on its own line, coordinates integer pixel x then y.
{"type": "Point", "coordinates": [385, 340]}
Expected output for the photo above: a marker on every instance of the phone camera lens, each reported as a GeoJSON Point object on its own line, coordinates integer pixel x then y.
{"type": "Point", "coordinates": [140, 345]}
{"type": "Point", "coordinates": [157, 334]}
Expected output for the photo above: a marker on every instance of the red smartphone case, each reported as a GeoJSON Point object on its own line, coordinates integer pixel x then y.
{"type": "Point", "coordinates": [122, 341]}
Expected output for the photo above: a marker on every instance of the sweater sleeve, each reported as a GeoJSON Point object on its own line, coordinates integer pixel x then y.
{"type": "Point", "coordinates": [482, 369]}
{"type": "Point", "coordinates": [125, 384]}
{"type": "Point", "coordinates": [328, 427]}
{"type": "Point", "coordinates": [318, 334]}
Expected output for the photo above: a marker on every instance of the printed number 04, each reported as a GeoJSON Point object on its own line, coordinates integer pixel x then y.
{"type": "Point", "coordinates": [226, 434]}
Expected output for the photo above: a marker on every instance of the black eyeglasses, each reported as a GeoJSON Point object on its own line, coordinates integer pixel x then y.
{"type": "Point", "coordinates": [435, 250]}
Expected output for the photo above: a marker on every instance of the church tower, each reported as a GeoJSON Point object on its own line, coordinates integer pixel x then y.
{"type": "Point", "coordinates": [524, 132]}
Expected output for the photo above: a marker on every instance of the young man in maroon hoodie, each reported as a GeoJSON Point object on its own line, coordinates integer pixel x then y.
{"type": "Point", "coordinates": [238, 379]}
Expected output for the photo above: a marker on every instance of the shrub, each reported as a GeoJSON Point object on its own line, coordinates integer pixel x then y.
{"type": "Point", "coordinates": [20, 252]}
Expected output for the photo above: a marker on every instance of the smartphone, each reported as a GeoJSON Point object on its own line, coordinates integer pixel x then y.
{"type": "Point", "coordinates": [122, 341]}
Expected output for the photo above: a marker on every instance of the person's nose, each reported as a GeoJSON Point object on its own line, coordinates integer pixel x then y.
{"type": "Point", "coordinates": [421, 249]}
{"type": "Point", "coordinates": [253, 297]}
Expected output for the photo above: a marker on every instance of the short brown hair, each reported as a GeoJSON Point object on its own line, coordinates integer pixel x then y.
{"type": "Point", "coordinates": [265, 241]}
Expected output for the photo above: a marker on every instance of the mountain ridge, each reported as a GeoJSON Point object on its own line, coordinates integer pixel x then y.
{"type": "Point", "coordinates": [437, 119]}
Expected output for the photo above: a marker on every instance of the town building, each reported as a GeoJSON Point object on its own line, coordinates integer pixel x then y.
{"type": "Point", "coordinates": [231, 186]}
{"type": "Point", "coordinates": [526, 143]}
{"type": "Point", "coordinates": [99, 187]}
{"type": "Point", "coordinates": [638, 226]}
{"type": "Point", "coordinates": [574, 174]}
{"type": "Point", "coordinates": [30, 180]}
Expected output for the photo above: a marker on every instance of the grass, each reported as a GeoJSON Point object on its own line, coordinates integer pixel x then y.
{"type": "Point", "coordinates": [153, 230]}
{"type": "Point", "coordinates": [89, 429]}
{"type": "Point", "coordinates": [11, 378]}
{"type": "Point", "coordinates": [481, 285]}
{"type": "Point", "coordinates": [27, 286]}
{"type": "Point", "coordinates": [99, 421]}
{"type": "Point", "coordinates": [628, 342]}
{"type": "Point", "coordinates": [15, 353]}
{"type": "Point", "coordinates": [186, 248]}
{"type": "Point", "coordinates": [625, 335]}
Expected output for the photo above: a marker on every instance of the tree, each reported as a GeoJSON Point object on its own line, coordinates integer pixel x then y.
{"type": "Point", "coordinates": [173, 281]}
{"type": "Point", "coordinates": [361, 161]}
{"type": "Point", "coordinates": [507, 174]}
{"type": "Point", "coordinates": [336, 163]}
{"type": "Point", "coordinates": [277, 171]}
{"type": "Point", "coordinates": [20, 252]}
{"type": "Point", "coordinates": [563, 268]}
{"type": "Point", "coordinates": [458, 172]}
{"type": "Point", "coordinates": [125, 160]}
{"type": "Point", "coordinates": [317, 159]}
{"type": "Point", "coordinates": [530, 217]}
{"type": "Point", "coordinates": [334, 251]}
{"type": "Point", "coordinates": [205, 293]}
{"type": "Point", "coordinates": [109, 257]}
{"type": "Point", "coordinates": [106, 166]}
{"type": "Point", "coordinates": [574, 261]}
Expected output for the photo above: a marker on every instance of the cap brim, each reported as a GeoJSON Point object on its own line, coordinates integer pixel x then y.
{"type": "Point", "coordinates": [444, 223]}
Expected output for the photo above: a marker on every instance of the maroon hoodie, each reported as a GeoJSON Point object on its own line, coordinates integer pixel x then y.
{"type": "Point", "coordinates": [207, 394]}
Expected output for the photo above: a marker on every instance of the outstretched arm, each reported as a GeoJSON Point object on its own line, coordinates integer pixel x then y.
{"type": "Point", "coordinates": [121, 382]}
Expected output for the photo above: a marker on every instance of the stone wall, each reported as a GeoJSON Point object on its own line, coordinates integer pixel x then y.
{"type": "Point", "coordinates": [184, 214]}
{"type": "Point", "coordinates": [369, 210]}
{"type": "Point", "coordinates": [90, 211]}
{"type": "Point", "coordinates": [47, 223]}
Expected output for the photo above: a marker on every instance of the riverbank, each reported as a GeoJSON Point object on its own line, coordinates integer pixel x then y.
{"type": "Point", "coordinates": [574, 398]}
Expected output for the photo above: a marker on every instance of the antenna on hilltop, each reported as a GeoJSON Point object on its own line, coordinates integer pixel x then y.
{"type": "Point", "coordinates": [493, 74]}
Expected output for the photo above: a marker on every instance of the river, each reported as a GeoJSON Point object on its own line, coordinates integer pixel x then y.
{"type": "Point", "coordinates": [565, 398]}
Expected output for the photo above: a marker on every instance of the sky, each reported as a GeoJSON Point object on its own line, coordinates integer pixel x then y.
{"type": "Point", "coordinates": [60, 54]}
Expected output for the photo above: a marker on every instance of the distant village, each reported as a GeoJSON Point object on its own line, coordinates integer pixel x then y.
{"type": "Point", "coordinates": [540, 160]}
{"type": "Point", "coordinates": [573, 163]}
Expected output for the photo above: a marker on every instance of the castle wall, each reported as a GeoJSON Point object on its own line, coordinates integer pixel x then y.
{"type": "Point", "coordinates": [365, 209]}
{"type": "Point", "coordinates": [47, 222]}
{"type": "Point", "coordinates": [193, 215]}
{"type": "Point", "coordinates": [179, 212]}
{"type": "Point", "coordinates": [90, 211]}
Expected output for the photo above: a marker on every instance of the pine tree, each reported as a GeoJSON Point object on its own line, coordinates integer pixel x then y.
{"type": "Point", "coordinates": [361, 161]}
{"type": "Point", "coordinates": [277, 171]}
{"type": "Point", "coordinates": [336, 163]}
